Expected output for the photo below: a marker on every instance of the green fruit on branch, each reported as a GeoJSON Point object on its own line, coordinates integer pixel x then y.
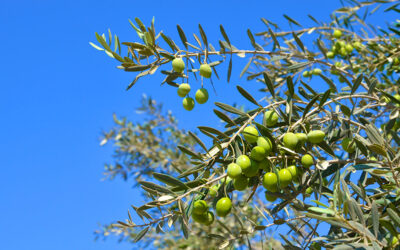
{"type": "Point", "coordinates": [234, 170]}
{"type": "Point", "coordinates": [349, 48]}
{"type": "Point", "coordinates": [316, 136]}
{"type": "Point", "coordinates": [307, 160]}
{"type": "Point", "coordinates": [200, 218]}
{"type": "Point", "coordinates": [290, 140]}
{"type": "Point", "coordinates": [316, 71]}
{"type": "Point", "coordinates": [293, 170]}
{"type": "Point", "coordinates": [200, 207]}
{"type": "Point", "coordinates": [183, 89]}
{"type": "Point", "coordinates": [241, 183]}
{"type": "Point", "coordinates": [205, 70]}
{"type": "Point", "coordinates": [348, 145]}
{"type": "Point", "coordinates": [178, 65]}
{"type": "Point", "coordinates": [270, 182]}
{"type": "Point", "coordinates": [209, 218]}
{"type": "Point", "coordinates": [330, 54]}
{"type": "Point", "coordinates": [250, 134]}
{"type": "Point", "coordinates": [253, 170]}
{"type": "Point", "coordinates": [223, 207]}
{"type": "Point", "coordinates": [188, 103]}
{"type": "Point", "coordinates": [306, 73]}
{"type": "Point", "coordinates": [213, 191]}
{"type": "Point", "coordinates": [270, 198]}
{"type": "Point", "coordinates": [337, 33]}
{"type": "Point", "coordinates": [285, 177]}
{"type": "Point", "coordinates": [309, 190]}
{"type": "Point", "coordinates": [343, 51]}
{"type": "Point", "coordinates": [257, 153]}
{"type": "Point", "coordinates": [270, 118]}
{"type": "Point", "coordinates": [396, 61]}
{"type": "Point", "coordinates": [301, 137]}
{"type": "Point", "coordinates": [357, 45]}
{"type": "Point", "coordinates": [201, 96]}
{"type": "Point", "coordinates": [244, 162]}
{"type": "Point", "coordinates": [265, 143]}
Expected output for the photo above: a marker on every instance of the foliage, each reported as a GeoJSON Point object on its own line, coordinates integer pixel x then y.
{"type": "Point", "coordinates": [350, 130]}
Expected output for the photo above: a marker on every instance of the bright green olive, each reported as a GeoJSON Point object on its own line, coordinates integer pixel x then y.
{"type": "Point", "coordinates": [357, 45]}
{"type": "Point", "coordinates": [244, 162]}
{"type": "Point", "coordinates": [293, 170]}
{"type": "Point", "coordinates": [396, 61]}
{"type": "Point", "coordinates": [223, 207]}
{"type": "Point", "coordinates": [188, 103]}
{"type": "Point", "coordinates": [290, 140]}
{"type": "Point", "coordinates": [257, 153]}
{"type": "Point", "coordinates": [201, 96]}
{"type": "Point", "coordinates": [183, 89]}
{"type": "Point", "coordinates": [270, 118]}
{"type": "Point", "coordinates": [316, 136]}
{"type": "Point", "coordinates": [265, 143]}
{"type": "Point", "coordinates": [343, 51]}
{"type": "Point", "coordinates": [337, 33]}
{"type": "Point", "coordinates": [301, 137]}
{"type": "Point", "coordinates": [307, 160]}
{"type": "Point", "coordinates": [270, 198]}
{"type": "Point", "coordinates": [309, 190]}
{"type": "Point", "coordinates": [306, 74]}
{"type": "Point", "coordinates": [372, 158]}
{"type": "Point", "coordinates": [348, 145]}
{"type": "Point", "coordinates": [213, 190]}
{"type": "Point", "coordinates": [250, 134]}
{"type": "Point", "coordinates": [205, 70]}
{"type": "Point", "coordinates": [349, 48]}
{"type": "Point", "coordinates": [200, 218]}
{"type": "Point", "coordinates": [241, 183]}
{"type": "Point", "coordinates": [200, 207]}
{"type": "Point", "coordinates": [270, 182]}
{"type": "Point", "coordinates": [316, 71]}
{"type": "Point", "coordinates": [234, 170]}
{"type": "Point", "coordinates": [330, 54]}
{"type": "Point", "coordinates": [285, 177]}
{"type": "Point", "coordinates": [178, 65]}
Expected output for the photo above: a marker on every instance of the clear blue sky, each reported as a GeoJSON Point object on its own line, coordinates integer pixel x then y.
{"type": "Point", "coordinates": [58, 94]}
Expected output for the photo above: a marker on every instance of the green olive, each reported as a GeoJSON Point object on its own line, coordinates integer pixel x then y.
{"type": "Point", "coordinates": [201, 96]}
{"type": "Point", "coordinates": [337, 33]}
{"type": "Point", "coordinates": [250, 134]}
{"type": "Point", "coordinates": [183, 89]}
{"type": "Point", "coordinates": [270, 118]}
{"type": "Point", "coordinates": [290, 140]}
{"type": "Point", "coordinates": [188, 103]}
{"type": "Point", "coordinates": [223, 207]}
{"type": "Point", "coordinates": [200, 207]}
{"type": "Point", "coordinates": [348, 145]}
{"type": "Point", "coordinates": [205, 70]}
{"type": "Point", "coordinates": [307, 160]}
{"type": "Point", "coordinates": [265, 143]}
{"type": "Point", "coordinates": [244, 162]}
{"type": "Point", "coordinates": [178, 65]}
{"type": "Point", "coordinates": [316, 136]}
{"type": "Point", "coordinates": [257, 153]}
{"type": "Point", "coordinates": [234, 170]}
{"type": "Point", "coordinates": [285, 177]}
{"type": "Point", "coordinates": [270, 182]}
{"type": "Point", "coordinates": [241, 183]}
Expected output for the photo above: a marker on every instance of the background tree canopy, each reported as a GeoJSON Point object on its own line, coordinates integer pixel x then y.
{"type": "Point", "coordinates": [319, 167]}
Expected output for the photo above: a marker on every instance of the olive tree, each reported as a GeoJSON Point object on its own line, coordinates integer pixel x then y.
{"type": "Point", "coordinates": [301, 160]}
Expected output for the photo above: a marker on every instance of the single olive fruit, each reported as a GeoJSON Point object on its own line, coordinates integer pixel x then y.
{"type": "Point", "coordinates": [253, 170]}
{"type": "Point", "coordinates": [293, 170]}
{"type": "Point", "coordinates": [343, 51]}
{"type": "Point", "coordinates": [285, 177]}
{"type": "Point", "coordinates": [234, 170]}
{"type": "Point", "coordinates": [257, 153]}
{"type": "Point", "coordinates": [270, 182]}
{"type": "Point", "coordinates": [223, 207]}
{"type": "Point", "coordinates": [307, 160]}
{"type": "Point", "coordinates": [290, 140]}
{"type": "Point", "coordinates": [178, 65]}
{"type": "Point", "coordinates": [349, 48]}
{"type": "Point", "coordinates": [200, 218]}
{"type": "Point", "coordinates": [316, 136]}
{"type": "Point", "coordinates": [270, 198]}
{"type": "Point", "coordinates": [244, 162]}
{"type": "Point", "coordinates": [265, 165]}
{"type": "Point", "coordinates": [210, 218]}
{"type": "Point", "coordinates": [306, 73]}
{"type": "Point", "coordinates": [301, 137]}
{"type": "Point", "coordinates": [213, 191]}
{"type": "Point", "coordinates": [201, 96]}
{"type": "Point", "coordinates": [205, 70]}
{"type": "Point", "coordinates": [270, 118]}
{"type": "Point", "coordinates": [188, 103]}
{"type": "Point", "coordinates": [330, 54]}
{"type": "Point", "coordinates": [241, 183]}
{"type": "Point", "coordinates": [250, 134]}
{"type": "Point", "coordinates": [337, 33]}
{"type": "Point", "coordinates": [397, 96]}
{"type": "Point", "coordinates": [309, 190]}
{"type": "Point", "coordinates": [357, 45]}
{"type": "Point", "coordinates": [265, 143]}
{"type": "Point", "coordinates": [316, 71]}
{"type": "Point", "coordinates": [183, 89]}
{"type": "Point", "coordinates": [348, 145]}
{"type": "Point", "coordinates": [396, 61]}
{"type": "Point", "coordinates": [200, 207]}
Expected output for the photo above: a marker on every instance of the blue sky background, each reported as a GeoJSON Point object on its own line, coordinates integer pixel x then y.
{"type": "Point", "coordinates": [58, 94]}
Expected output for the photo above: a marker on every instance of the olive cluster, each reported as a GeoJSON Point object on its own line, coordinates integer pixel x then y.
{"type": "Point", "coordinates": [201, 95]}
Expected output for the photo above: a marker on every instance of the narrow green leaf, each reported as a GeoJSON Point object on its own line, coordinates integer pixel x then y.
{"type": "Point", "coordinates": [269, 84]}
{"type": "Point", "coordinates": [182, 35]}
{"type": "Point", "coordinates": [169, 180]}
{"type": "Point", "coordinates": [156, 187]}
{"type": "Point", "coordinates": [197, 139]}
{"type": "Point", "coordinates": [229, 108]}
{"type": "Point", "coordinates": [224, 34]}
{"type": "Point", "coordinates": [203, 36]}
{"type": "Point", "coordinates": [356, 83]}
{"type": "Point", "coordinates": [309, 105]}
{"type": "Point", "coordinates": [375, 218]}
{"type": "Point", "coordinates": [298, 41]}
{"type": "Point", "coordinates": [246, 95]}
{"type": "Point", "coordinates": [140, 235]}
{"type": "Point", "coordinates": [246, 67]}
{"type": "Point", "coordinates": [291, 20]}
{"type": "Point", "coordinates": [229, 69]}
